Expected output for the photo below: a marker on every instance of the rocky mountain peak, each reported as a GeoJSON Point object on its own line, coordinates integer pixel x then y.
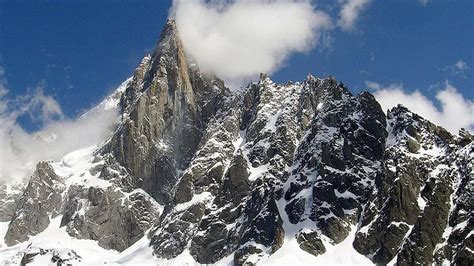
{"type": "Point", "coordinates": [418, 132]}
{"type": "Point", "coordinates": [167, 104]}
{"type": "Point", "coordinates": [301, 169]}
{"type": "Point", "coordinates": [169, 30]}
{"type": "Point", "coordinates": [41, 201]}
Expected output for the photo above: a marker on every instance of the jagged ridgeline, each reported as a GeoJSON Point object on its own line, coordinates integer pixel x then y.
{"type": "Point", "coordinates": [196, 168]}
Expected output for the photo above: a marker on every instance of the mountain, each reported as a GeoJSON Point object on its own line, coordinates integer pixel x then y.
{"type": "Point", "coordinates": [194, 172]}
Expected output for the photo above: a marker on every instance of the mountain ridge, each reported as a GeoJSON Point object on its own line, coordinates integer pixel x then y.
{"type": "Point", "coordinates": [196, 168]}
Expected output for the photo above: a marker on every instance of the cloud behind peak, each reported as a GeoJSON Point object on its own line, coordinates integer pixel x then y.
{"type": "Point", "coordinates": [236, 40]}
{"type": "Point", "coordinates": [454, 112]}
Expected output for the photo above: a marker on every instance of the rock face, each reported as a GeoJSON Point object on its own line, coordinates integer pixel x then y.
{"type": "Point", "coordinates": [9, 197]}
{"type": "Point", "coordinates": [114, 218]}
{"type": "Point", "coordinates": [166, 107]}
{"type": "Point", "coordinates": [408, 217]}
{"type": "Point", "coordinates": [41, 199]}
{"type": "Point", "coordinates": [222, 174]}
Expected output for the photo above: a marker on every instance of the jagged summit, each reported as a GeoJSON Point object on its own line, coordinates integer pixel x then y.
{"type": "Point", "coordinates": [169, 30]}
{"type": "Point", "coordinates": [272, 173]}
{"type": "Point", "coordinates": [168, 105]}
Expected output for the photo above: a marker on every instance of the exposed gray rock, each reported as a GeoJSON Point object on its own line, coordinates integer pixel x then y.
{"type": "Point", "coordinates": [413, 145]}
{"type": "Point", "coordinates": [9, 197]}
{"type": "Point", "coordinates": [114, 218]}
{"type": "Point", "coordinates": [204, 175]}
{"type": "Point", "coordinates": [311, 243]}
{"type": "Point", "coordinates": [166, 108]}
{"type": "Point", "coordinates": [457, 239]}
{"type": "Point", "coordinates": [236, 184]}
{"type": "Point", "coordinates": [408, 215]}
{"type": "Point", "coordinates": [40, 201]}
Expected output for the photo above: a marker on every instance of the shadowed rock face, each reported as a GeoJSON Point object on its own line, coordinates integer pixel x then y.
{"type": "Point", "coordinates": [221, 173]}
{"type": "Point", "coordinates": [261, 162]}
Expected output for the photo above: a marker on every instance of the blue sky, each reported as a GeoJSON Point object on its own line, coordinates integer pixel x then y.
{"type": "Point", "coordinates": [78, 51]}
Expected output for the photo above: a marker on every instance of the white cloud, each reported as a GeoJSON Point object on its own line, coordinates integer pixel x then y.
{"type": "Point", "coordinates": [38, 106]}
{"type": "Point", "coordinates": [21, 150]}
{"type": "Point", "coordinates": [376, 86]}
{"type": "Point", "coordinates": [350, 12]}
{"type": "Point", "coordinates": [456, 112]}
{"type": "Point", "coordinates": [236, 40]}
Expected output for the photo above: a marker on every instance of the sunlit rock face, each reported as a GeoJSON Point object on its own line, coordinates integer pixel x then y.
{"type": "Point", "coordinates": [40, 201]}
{"type": "Point", "coordinates": [196, 169]}
{"type": "Point", "coordinates": [166, 108]}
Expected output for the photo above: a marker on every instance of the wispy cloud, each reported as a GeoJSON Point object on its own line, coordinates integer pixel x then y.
{"type": "Point", "coordinates": [456, 112]}
{"type": "Point", "coordinates": [350, 12]}
{"type": "Point", "coordinates": [458, 69]}
{"type": "Point", "coordinates": [424, 2]}
{"type": "Point", "coordinates": [40, 107]}
{"type": "Point", "coordinates": [21, 150]}
{"type": "Point", "coordinates": [461, 66]}
{"type": "Point", "coordinates": [237, 40]}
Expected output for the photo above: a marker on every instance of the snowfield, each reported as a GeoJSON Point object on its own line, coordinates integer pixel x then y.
{"type": "Point", "coordinates": [140, 253]}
